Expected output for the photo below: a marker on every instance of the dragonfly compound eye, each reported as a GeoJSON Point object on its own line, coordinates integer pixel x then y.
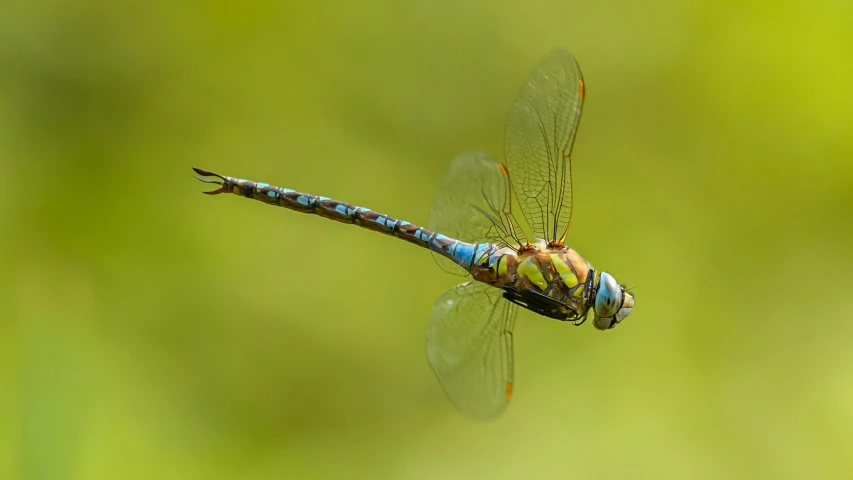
{"type": "Point", "coordinates": [609, 296]}
{"type": "Point", "coordinates": [612, 303]}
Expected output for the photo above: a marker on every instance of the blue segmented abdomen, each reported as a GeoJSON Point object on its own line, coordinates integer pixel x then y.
{"type": "Point", "coordinates": [469, 254]}
{"type": "Point", "coordinates": [464, 254]}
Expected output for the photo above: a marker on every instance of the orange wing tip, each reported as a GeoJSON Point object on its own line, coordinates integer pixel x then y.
{"type": "Point", "coordinates": [503, 168]}
{"type": "Point", "coordinates": [508, 391]}
{"type": "Point", "coordinates": [580, 89]}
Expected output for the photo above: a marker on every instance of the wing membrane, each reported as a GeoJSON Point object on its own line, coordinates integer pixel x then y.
{"type": "Point", "coordinates": [540, 133]}
{"type": "Point", "coordinates": [469, 347]}
{"type": "Point", "coordinates": [473, 205]}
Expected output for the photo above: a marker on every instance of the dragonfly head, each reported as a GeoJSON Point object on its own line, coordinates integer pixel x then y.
{"type": "Point", "coordinates": [612, 302]}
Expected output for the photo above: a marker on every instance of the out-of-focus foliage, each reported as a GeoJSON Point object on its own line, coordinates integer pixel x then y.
{"type": "Point", "coordinates": [149, 331]}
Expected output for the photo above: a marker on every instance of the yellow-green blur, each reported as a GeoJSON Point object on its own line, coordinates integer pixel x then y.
{"type": "Point", "coordinates": [148, 331]}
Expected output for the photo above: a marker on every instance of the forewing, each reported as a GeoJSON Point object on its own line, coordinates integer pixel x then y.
{"type": "Point", "coordinates": [469, 347]}
{"type": "Point", "coordinates": [473, 205]}
{"type": "Point", "coordinates": [540, 132]}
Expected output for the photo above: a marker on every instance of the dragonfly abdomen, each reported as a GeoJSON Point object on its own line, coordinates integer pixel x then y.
{"type": "Point", "coordinates": [463, 253]}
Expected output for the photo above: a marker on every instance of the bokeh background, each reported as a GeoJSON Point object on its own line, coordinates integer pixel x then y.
{"type": "Point", "coordinates": [149, 331]}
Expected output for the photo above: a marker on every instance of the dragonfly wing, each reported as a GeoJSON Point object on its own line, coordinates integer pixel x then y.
{"type": "Point", "coordinates": [540, 132]}
{"type": "Point", "coordinates": [469, 347]}
{"type": "Point", "coordinates": [473, 205]}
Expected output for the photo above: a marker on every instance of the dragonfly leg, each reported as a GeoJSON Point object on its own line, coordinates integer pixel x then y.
{"type": "Point", "coordinates": [540, 303]}
{"type": "Point", "coordinates": [579, 319]}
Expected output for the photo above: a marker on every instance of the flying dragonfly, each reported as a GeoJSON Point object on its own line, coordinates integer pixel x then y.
{"type": "Point", "coordinates": [475, 230]}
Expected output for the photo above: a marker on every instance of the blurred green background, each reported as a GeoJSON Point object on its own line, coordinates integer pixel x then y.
{"type": "Point", "coordinates": [149, 331]}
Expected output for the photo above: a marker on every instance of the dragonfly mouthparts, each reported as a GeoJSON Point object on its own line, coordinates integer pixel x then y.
{"type": "Point", "coordinates": [204, 173]}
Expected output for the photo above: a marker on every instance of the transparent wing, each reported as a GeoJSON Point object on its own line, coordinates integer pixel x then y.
{"type": "Point", "coordinates": [540, 132]}
{"type": "Point", "coordinates": [473, 205]}
{"type": "Point", "coordinates": [469, 347]}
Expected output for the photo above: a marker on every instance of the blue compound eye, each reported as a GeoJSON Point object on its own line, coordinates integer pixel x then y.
{"type": "Point", "coordinates": [612, 303]}
{"type": "Point", "coordinates": [609, 296]}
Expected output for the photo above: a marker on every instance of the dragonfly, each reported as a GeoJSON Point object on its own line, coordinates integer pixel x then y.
{"type": "Point", "coordinates": [501, 225]}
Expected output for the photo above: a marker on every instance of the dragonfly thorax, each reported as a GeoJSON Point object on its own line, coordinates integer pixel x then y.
{"type": "Point", "coordinates": [554, 282]}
